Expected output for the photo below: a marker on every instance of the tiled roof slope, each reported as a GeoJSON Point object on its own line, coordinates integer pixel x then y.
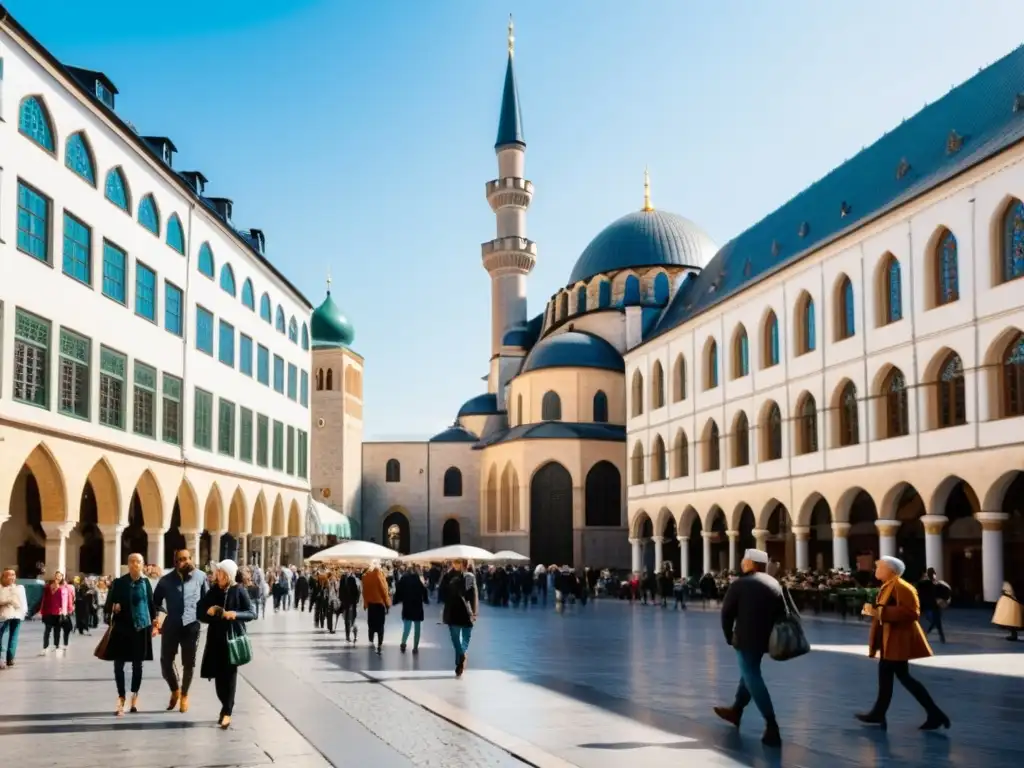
{"type": "Point", "coordinates": [968, 125]}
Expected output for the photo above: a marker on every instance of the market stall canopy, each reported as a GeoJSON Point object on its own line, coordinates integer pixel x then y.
{"type": "Point", "coordinates": [452, 552]}
{"type": "Point", "coordinates": [324, 521]}
{"type": "Point", "coordinates": [508, 556]}
{"type": "Point", "coordinates": [353, 552]}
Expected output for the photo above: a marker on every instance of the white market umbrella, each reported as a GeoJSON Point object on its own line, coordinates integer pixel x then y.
{"type": "Point", "coordinates": [353, 552]}
{"type": "Point", "coordinates": [508, 556]}
{"type": "Point", "coordinates": [452, 552]}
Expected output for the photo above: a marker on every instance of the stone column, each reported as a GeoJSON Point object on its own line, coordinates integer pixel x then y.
{"type": "Point", "coordinates": [659, 542]}
{"type": "Point", "coordinates": [56, 547]}
{"type": "Point", "coordinates": [761, 538]}
{"type": "Point", "coordinates": [887, 537]}
{"type": "Point", "coordinates": [840, 546]}
{"type": "Point", "coordinates": [277, 544]}
{"type": "Point", "coordinates": [242, 549]}
{"type": "Point", "coordinates": [933, 558]}
{"type": "Point", "coordinates": [214, 546]}
{"type": "Point", "coordinates": [635, 552]}
{"type": "Point", "coordinates": [734, 561]}
{"type": "Point", "coordinates": [193, 538]}
{"type": "Point", "coordinates": [992, 553]}
{"type": "Point", "coordinates": [684, 556]}
{"type": "Point", "coordinates": [802, 533]}
{"type": "Point", "coordinates": [111, 548]}
{"type": "Point", "coordinates": [155, 546]}
{"type": "Point", "coordinates": [707, 535]}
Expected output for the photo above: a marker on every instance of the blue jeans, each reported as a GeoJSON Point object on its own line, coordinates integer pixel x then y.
{"type": "Point", "coordinates": [460, 640]}
{"type": "Point", "coordinates": [415, 626]}
{"type": "Point", "coordinates": [752, 685]}
{"type": "Point", "coordinates": [12, 628]}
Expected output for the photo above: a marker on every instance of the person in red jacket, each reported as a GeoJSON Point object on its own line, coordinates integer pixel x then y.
{"type": "Point", "coordinates": [57, 607]}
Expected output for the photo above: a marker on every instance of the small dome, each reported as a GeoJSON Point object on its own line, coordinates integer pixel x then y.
{"type": "Point", "coordinates": [573, 349]}
{"type": "Point", "coordinates": [516, 337]}
{"type": "Point", "coordinates": [454, 434]}
{"type": "Point", "coordinates": [329, 327]}
{"type": "Point", "coordinates": [647, 238]}
{"type": "Point", "coordinates": [481, 405]}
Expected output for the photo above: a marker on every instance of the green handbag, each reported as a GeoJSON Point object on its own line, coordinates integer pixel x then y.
{"type": "Point", "coordinates": [239, 647]}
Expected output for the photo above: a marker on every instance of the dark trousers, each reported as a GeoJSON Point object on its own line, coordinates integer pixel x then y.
{"type": "Point", "coordinates": [56, 625]}
{"type": "Point", "coordinates": [300, 603]}
{"type": "Point", "coordinates": [119, 676]}
{"type": "Point", "coordinates": [349, 613]}
{"type": "Point", "coordinates": [375, 614]}
{"type": "Point", "coordinates": [935, 622]}
{"type": "Point", "coordinates": [226, 682]}
{"type": "Point", "coordinates": [890, 670]}
{"type": "Point", "coordinates": [187, 639]}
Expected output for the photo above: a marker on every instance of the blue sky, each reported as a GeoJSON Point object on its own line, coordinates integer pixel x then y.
{"type": "Point", "coordinates": [359, 135]}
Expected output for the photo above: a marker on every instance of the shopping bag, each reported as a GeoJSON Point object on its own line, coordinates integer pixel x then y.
{"type": "Point", "coordinates": [239, 647]}
{"type": "Point", "coordinates": [788, 640]}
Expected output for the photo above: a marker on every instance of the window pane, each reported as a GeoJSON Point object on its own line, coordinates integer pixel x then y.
{"type": "Point", "coordinates": [113, 370]}
{"type": "Point", "coordinates": [293, 374]}
{"type": "Point", "coordinates": [31, 359]}
{"type": "Point", "coordinates": [202, 426]}
{"type": "Point", "coordinates": [114, 266]}
{"type": "Point", "coordinates": [279, 374]}
{"type": "Point", "coordinates": [77, 249]}
{"type": "Point", "coordinates": [226, 347]}
{"type": "Point", "coordinates": [290, 452]}
{"type": "Point", "coordinates": [75, 354]}
{"type": "Point", "coordinates": [304, 389]}
{"type": "Point", "coordinates": [245, 354]}
{"type": "Point", "coordinates": [172, 309]}
{"type": "Point", "coordinates": [33, 223]}
{"type": "Point", "coordinates": [262, 436]}
{"type": "Point", "coordinates": [172, 409]}
{"type": "Point", "coordinates": [145, 292]}
{"type": "Point", "coordinates": [148, 216]}
{"type": "Point", "coordinates": [245, 435]}
{"type": "Point", "coordinates": [144, 409]}
{"type": "Point", "coordinates": [226, 428]}
{"type": "Point", "coordinates": [204, 330]}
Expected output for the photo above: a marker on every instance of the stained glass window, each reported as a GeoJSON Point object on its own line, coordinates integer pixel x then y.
{"type": "Point", "coordinates": [227, 279]}
{"type": "Point", "coordinates": [771, 341]}
{"type": "Point", "coordinates": [172, 409]}
{"type": "Point", "coordinates": [265, 307]}
{"type": "Point", "coordinates": [148, 215]}
{"type": "Point", "coordinates": [1013, 377]}
{"type": "Point", "coordinates": [849, 421]}
{"type": "Point", "coordinates": [115, 268]}
{"type": "Point", "coordinates": [144, 403]}
{"type": "Point", "coordinates": [116, 189]}
{"type": "Point", "coordinates": [175, 234]}
{"type": "Point", "coordinates": [77, 249]}
{"type": "Point", "coordinates": [75, 352]}
{"type": "Point", "coordinates": [34, 122]}
{"type": "Point", "coordinates": [248, 299]}
{"type": "Point", "coordinates": [952, 400]}
{"type": "Point", "coordinates": [1013, 242]}
{"type": "Point", "coordinates": [78, 158]}
{"type": "Point", "coordinates": [893, 291]}
{"type": "Point", "coordinates": [33, 222]}
{"type": "Point", "coordinates": [31, 359]}
{"type": "Point", "coordinates": [896, 408]}
{"type": "Point", "coordinates": [145, 291]}
{"type": "Point", "coordinates": [206, 260]}
{"type": "Point", "coordinates": [947, 280]}
{"type": "Point", "coordinates": [113, 367]}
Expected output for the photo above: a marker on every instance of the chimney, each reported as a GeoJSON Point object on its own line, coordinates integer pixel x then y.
{"type": "Point", "coordinates": [194, 179]}
{"type": "Point", "coordinates": [260, 240]}
{"type": "Point", "coordinates": [223, 207]}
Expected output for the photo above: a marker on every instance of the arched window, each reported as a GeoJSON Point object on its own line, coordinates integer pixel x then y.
{"type": "Point", "coordinates": [636, 469]}
{"type": "Point", "coordinates": [637, 394]}
{"type": "Point", "coordinates": [632, 294]}
{"type": "Point", "coordinates": [453, 481]}
{"type": "Point", "coordinates": [78, 158]}
{"type": "Point", "coordinates": [600, 407]}
{"type": "Point", "coordinates": [892, 291]}
{"type": "Point", "coordinates": [116, 189]}
{"type": "Point", "coordinates": [227, 279]}
{"type": "Point", "coordinates": [661, 288]}
{"type": "Point", "coordinates": [279, 320]}
{"type": "Point", "coordinates": [952, 399]}
{"type": "Point", "coordinates": [330, 379]}
{"type": "Point", "coordinates": [563, 305]}
{"type": "Point", "coordinates": [206, 266]}
{"type": "Point", "coordinates": [770, 353]}
{"type": "Point", "coordinates": [741, 354]}
{"type": "Point", "coordinates": [1013, 377]}
{"type": "Point", "coordinates": [805, 340]}
{"type": "Point", "coordinates": [845, 322]}
{"type": "Point", "coordinates": [897, 417]}
{"type": "Point", "coordinates": [713, 448]}
{"type": "Point", "coordinates": [679, 379]}
{"type": "Point", "coordinates": [604, 294]}
{"type": "Point", "coordinates": [947, 275]}
{"type": "Point", "coordinates": [741, 436]}
{"type": "Point", "coordinates": [248, 299]}
{"type": "Point", "coordinates": [551, 406]}
{"type": "Point", "coordinates": [659, 465]}
{"type": "Point", "coordinates": [293, 330]}
{"type": "Point", "coordinates": [657, 386]}
{"type": "Point", "coordinates": [34, 122]}
{"type": "Point", "coordinates": [711, 360]}
{"type": "Point", "coordinates": [849, 418]}
{"type": "Point", "coordinates": [807, 436]}
{"type": "Point", "coordinates": [149, 217]}
{"type": "Point", "coordinates": [392, 471]}
{"type": "Point", "coordinates": [319, 379]}
{"type": "Point", "coordinates": [519, 409]}
{"type": "Point", "coordinates": [1012, 261]}
{"type": "Point", "coordinates": [305, 336]}
{"type": "Point", "coordinates": [175, 234]}
{"type": "Point", "coordinates": [581, 299]}
{"type": "Point", "coordinates": [680, 455]}
{"type": "Point", "coordinates": [265, 307]}
{"type": "Point", "coordinates": [773, 433]}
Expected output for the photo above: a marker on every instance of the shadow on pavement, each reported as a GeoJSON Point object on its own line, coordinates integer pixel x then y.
{"type": "Point", "coordinates": [113, 725]}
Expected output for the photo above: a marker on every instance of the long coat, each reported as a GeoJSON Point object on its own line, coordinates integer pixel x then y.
{"type": "Point", "coordinates": [895, 629]}
{"type": "Point", "coordinates": [124, 637]}
{"type": "Point", "coordinates": [411, 592]}
{"type": "Point", "coordinates": [215, 653]}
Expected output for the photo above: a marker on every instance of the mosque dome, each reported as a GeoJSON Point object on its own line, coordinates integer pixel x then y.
{"type": "Point", "coordinates": [329, 327]}
{"type": "Point", "coordinates": [573, 349]}
{"type": "Point", "coordinates": [454, 434]}
{"type": "Point", "coordinates": [481, 405]}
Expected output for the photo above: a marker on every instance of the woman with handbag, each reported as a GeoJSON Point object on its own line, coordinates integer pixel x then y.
{"type": "Point", "coordinates": [130, 611]}
{"type": "Point", "coordinates": [226, 607]}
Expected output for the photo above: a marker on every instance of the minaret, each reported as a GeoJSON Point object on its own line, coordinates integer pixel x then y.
{"type": "Point", "coordinates": [510, 256]}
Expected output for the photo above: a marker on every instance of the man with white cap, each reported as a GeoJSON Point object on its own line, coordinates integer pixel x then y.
{"type": "Point", "coordinates": [750, 609]}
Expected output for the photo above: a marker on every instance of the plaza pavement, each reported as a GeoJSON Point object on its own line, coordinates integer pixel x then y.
{"type": "Point", "coordinates": [608, 685]}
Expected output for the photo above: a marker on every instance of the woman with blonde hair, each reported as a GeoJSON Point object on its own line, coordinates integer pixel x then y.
{"type": "Point", "coordinates": [376, 601]}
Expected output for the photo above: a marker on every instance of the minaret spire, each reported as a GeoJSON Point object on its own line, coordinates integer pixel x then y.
{"type": "Point", "coordinates": [511, 37]}
{"type": "Point", "coordinates": [510, 124]}
{"type": "Point", "coordinates": [647, 192]}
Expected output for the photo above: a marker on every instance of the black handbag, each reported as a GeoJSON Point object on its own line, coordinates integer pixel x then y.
{"type": "Point", "coordinates": [788, 640]}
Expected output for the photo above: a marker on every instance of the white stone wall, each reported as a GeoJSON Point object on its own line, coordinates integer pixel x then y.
{"type": "Point", "coordinates": [465, 508]}
{"type": "Point", "coordinates": [408, 496]}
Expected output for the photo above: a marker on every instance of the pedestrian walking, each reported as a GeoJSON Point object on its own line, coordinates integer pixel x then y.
{"type": "Point", "coordinates": [461, 601]}
{"type": "Point", "coordinates": [934, 595]}
{"type": "Point", "coordinates": [225, 608]}
{"type": "Point", "coordinates": [301, 590]}
{"type": "Point", "coordinates": [56, 609]}
{"type": "Point", "coordinates": [177, 595]}
{"type": "Point", "coordinates": [897, 636]}
{"type": "Point", "coordinates": [85, 603]}
{"type": "Point", "coordinates": [411, 593]}
{"type": "Point", "coordinates": [349, 594]}
{"type": "Point", "coordinates": [750, 609]}
{"type": "Point", "coordinates": [13, 606]}
{"type": "Point", "coordinates": [130, 612]}
{"type": "Point", "coordinates": [1008, 613]}
{"type": "Point", "coordinates": [376, 601]}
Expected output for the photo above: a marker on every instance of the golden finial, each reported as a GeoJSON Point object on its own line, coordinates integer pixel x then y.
{"type": "Point", "coordinates": [647, 191]}
{"type": "Point", "coordinates": [511, 36]}
{"type": "Point", "coordinates": [328, 279]}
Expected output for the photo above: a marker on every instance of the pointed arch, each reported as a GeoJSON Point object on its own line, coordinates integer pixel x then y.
{"type": "Point", "coordinates": [846, 423]}
{"type": "Point", "coordinates": [491, 507]}
{"type": "Point", "coordinates": [770, 340]}
{"type": "Point", "coordinates": [945, 268]}
{"type": "Point", "coordinates": [227, 279]}
{"type": "Point", "coordinates": [260, 525]}
{"type": "Point", "coordinates": [712, 447]}
{"type": "Point", "coordinates": [680, 455]}
{"type": "Point", "coordinates": [248, 297]}
{"type": "Point", "coordinates": [279, 320]}
{"type": "Point", "coordinates": [659, 464]}
{"type": "Point", "coordinates": [294, 519]}
{"type": "Point", "coordinates": [79, 158]}
{"type": "Point", "coordinates": [740, 352]}
{"type": "Point", "coordinates": [293, 330]}
{"type": "Point", "coordinates": [35, 122]}
{"type": "Point", "coordinates": [771, 429]}
{"type": "Point", "coordinates": [806, 424]}
{"type": "Point", "coordinates": [330, 379]}
{"type": "Point", "coordinates": [175, 234]}
{"type": "Point", "coordinates": [106, 491]}
{"type": "Point", "coordinates": [804, 324]}
{"type": "Point", "coordinates": [213, 512]}
{"type": "Point", "coordinates": [710, 364]}
{"type": "Point", "coordinates": [950, 392]}
{"type": "Point", "coordinates": [116, 189]}
{"type": "Point", "coordinates": [894, 418]}
{"type": "Point", "coordinates": [188, 508]}
{"type": "Point", "coordinates": [305, 337]}
{"type": "Point", "coordinates": [679, 379]}
{"type": "Point", "coordinates": [657, 386]}
{"type": "Point", "coordinates": [505, 506]}
{"type": "Point", "coordinates": [741, 440]}
{"type": "Point", "coordinates": [207, 265]}
{"type": "Point", "coordinates": [845, 309]}
{"type": "Point", "coordinates": [1009, 365]}
{"type": "Point", "coordinates": [637, 394]}
{"type": "Point", "coordinates": [151, 499]}
{"type": "Point", "coordinates": [265, 308]}
{"type": "Point", "coordinates": [1011, 242]}
{"type": "Point", "coordinates": [149, 214]}
{"type": "Point", "coordinates": [890, 290]}
{"type": "Point", "coordinates": [636, 461]}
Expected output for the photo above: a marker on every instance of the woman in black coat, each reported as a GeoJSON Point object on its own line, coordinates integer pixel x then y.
{"type": "Point", "coordinates": [130, 610]}
{"type": "Point", "coordinates": [225, 607]}
{"type": "Point", "coordinates": [412, 593]}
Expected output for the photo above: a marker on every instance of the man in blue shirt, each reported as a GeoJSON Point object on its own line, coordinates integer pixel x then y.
{"type": "Point", "coordinates": [176, 596]}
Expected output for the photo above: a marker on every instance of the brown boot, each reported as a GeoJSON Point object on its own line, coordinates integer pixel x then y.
{"type": "Point", "coordinates": [730, 715]}
{"type": "Point", "coordinates": [175, 696]}
{"type": "Point", "coordinates": [184, 702]}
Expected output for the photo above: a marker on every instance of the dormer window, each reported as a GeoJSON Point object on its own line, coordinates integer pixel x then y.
{"type": "Point", "coordinates": [104, 94]}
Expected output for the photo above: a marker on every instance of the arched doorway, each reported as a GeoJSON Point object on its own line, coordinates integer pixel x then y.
{"type": "Point", "coordinates": [451, 532]}
{"type": "Point", "coordinates": [820, 555]}
{"type": "Point", "coordinates": [781, 543]}
{"type": "Point", "coordinates": [962, 563]}
{"type": "Point", "coordinates": [862, 538]}
{"type": "Point", "coordinates": [90, 552]}
{"type": "Point", "coordinates": [551, 515]}
{"type": "Point", "coordinates": [174, 540]}
{"type": "Point", "coordinates": [719, 543]}
{"type": "Point", "coordinates": [395, 532]}
{"type": "Point", "coordinates": [695, 549]}
{"type": "Point", "coordinates": [1013, 531]}
{"type": "Point", "coordinates": [37, 495]}
{"type": "Point", "coordinates": [134, 538]}
{"type": "Point", "coordinates": [909, 508]}
{"type": "Point", "coordinates": [670, 547]}
{"type": "Point", "coordinates": [746, 527]}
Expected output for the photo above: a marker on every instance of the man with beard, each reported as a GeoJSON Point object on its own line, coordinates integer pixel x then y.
{"type": "Point", "coordinates": [176, 596]}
